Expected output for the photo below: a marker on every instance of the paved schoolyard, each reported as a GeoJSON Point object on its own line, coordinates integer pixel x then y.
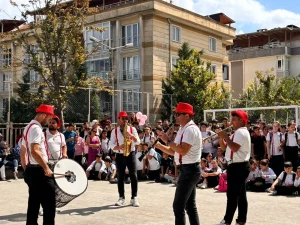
{"type": "Point", "coordinates": [95, 206]}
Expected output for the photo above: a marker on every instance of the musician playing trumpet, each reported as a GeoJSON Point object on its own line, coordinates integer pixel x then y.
{"type": "Point", "coordinates": [123, 140]}
{"type": "Point", "coordinates": [210, 144]}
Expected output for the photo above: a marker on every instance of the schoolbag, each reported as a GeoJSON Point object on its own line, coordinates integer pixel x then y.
{"type": "Point", "coordinates": [223, 183]}
{"type": "Point", "coordinates": [284, 177]}
{"type": "Point", "coordinates": [159, 157]}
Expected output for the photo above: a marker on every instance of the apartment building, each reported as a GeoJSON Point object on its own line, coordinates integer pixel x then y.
{"type": "Point", "coordinates": [277, 48]}
{"type": "Point", "coordinates": [152, 31]}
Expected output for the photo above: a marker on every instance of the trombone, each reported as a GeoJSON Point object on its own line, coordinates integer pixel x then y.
{"type": "Point", "coordinates": [215, 134]}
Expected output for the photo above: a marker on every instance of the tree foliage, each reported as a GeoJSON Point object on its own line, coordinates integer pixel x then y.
{"type": "Point", "coordinates": [191, 81]}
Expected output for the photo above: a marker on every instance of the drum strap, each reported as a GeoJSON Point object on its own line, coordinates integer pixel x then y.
{"type": "Point", "coordinates": [47, 146]}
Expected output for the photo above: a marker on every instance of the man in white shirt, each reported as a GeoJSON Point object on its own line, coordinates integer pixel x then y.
{"type": "Point", "coordinates": [117, 145]}
{"type": "Point", "coordinates": [55, 141]}
{"type": "Point", "coordinates": [34, 158]}
{"type": "Point", "coordinates": [209, 146]}
{"type": "Point", "coordinates": [238, 149]}
{"type": "Point", "coordinates": [187, 154]}
{"type": "Point", "coordinates": [96, 171]}
{"type": "Point", "coordinates": [275, 143]}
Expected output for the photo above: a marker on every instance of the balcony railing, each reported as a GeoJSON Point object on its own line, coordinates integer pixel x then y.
{"type": "Point", "coordinates": [118, 4]}
{"type": "Point", "coordinates": [130, 75]}
{"type": "Point", "coordinates": [105, 75]}
{"type": "Point", "coordinates": [271, 45]}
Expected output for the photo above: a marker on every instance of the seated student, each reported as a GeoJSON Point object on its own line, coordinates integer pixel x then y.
{"type": "Point", "coordinates": [111, 171]}
{"type": "Point", "coordinates": [141, 163]}
{"type": "Point", "coordinates": [222, 162]}
{"type": "Point", "coordinates": [284, 184]}
{"type": "Point", "coordinates": [165, 165]}
{"type": "Point", "coordinates": [254, 173]}
{"type": "Point", "coordinates": [297, 181]}
{"type": "Point", "coordinates": [209, 158]}
{"type": "Point", "coordinates": [203, 165]}
{"type": "Point", "coordinates": [7, 159]}
{"type": "Point", "coordinates": [267, 174]}
{"type": "Point", "coordinates": [154, 165]}
{"type": "Point", "coordinates": [211, 176]}
{"type": "Point", "coordinates": [170, 176]}
{"type": "Point", "coordinates": [96, 171]}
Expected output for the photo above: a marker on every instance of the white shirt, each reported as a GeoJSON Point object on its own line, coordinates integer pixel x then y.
{"type": "Point", "coordinates": [253, 174]}
{"type": "Point", "coordinates": [275, 142]}
{"type": "Point", "coordinates": [99, 166]}
{"type": "Point", "coordinates": [297, 182]}
{"type": "Point", "coordinates": [208, 144]}
{"type": "Point", "coordinates": [55, 143]}
{"type": "Point", "coordinates": [110, 169]}
{"type": "Point", "coordinates": [35, 136]}
{"type": "Point", "coordinates": [192, 136]}
{"type": "Point", "coordinates": [105, 145]}
{"type": "Point", "coordinates": [147, 139]}
{"type": "Point", "coordinates": [271, 176]}
{"type": "Point", "coordinates": [288, 180]}
{"type": "Point", "coordinates": [139, 164]}
{"type": "Point", "coordinates": [153, 163]}
{"type": "Point", "coordinates": [113, 141]}
{"type": "Point", "coordinates": [242, 138]}
{"type": "Point", "coordinates": [291, 139]}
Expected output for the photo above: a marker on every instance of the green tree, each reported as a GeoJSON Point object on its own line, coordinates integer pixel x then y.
{"type": "Point", "coordinates": [58, 52]}
{"type": "Point", "coordinates": [191, 81]}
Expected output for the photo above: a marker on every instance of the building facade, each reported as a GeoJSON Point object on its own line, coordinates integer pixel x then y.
{"type": "Point", "coordinates": [153, 32]}
{"type": "Point", "coordinates": [277, 49]}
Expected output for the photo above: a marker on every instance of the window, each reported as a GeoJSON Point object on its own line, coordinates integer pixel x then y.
{"type": "Point", "coordinates": [225, 72]}
{"type": "Point", "coordinates": [213, 69]}
{"type": "Point", "coordinates": [5, 83]}
{"type": "Point", "coordinates": [130, 34]}
{"type": "Point", "coordinates": [131, 68]}
{"type": "Point", "coordinates": [27, 60]}
{"type": "Point", "coordinates": [212, 44]}
{"type": "Point", "coordinates": [104, 37]}
{"type": "Point", "coordinates": [287, 64]}
{"type": "Point", "coordinates": [5, 57]}
{"type": "Point", "coordinates": [280, 63]}
{"type": "Point", "coordinates": [34, 79]}
{"type": "Point", "coordinates": [175, 60]}
{"type": "Point", "coordinates": [131, 100]}
{"type": "Point", "coordinates": [176, 34]}
{"type": "Point", "coordinates": [99, 68]}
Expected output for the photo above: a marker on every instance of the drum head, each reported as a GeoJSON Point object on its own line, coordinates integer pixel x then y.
{"type": "Point", "coordinates": [75, 184]}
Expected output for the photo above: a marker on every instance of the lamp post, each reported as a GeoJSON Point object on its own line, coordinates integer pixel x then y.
{"type": "Point", "coordinates": [99, 42]}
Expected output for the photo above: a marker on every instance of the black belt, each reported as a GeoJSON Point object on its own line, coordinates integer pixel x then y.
{"type": "Point", "coordinates": [188, 165]}
{"type": "Point", "coordinates": [38, 165]}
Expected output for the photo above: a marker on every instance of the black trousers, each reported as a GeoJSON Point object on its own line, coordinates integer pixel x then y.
{"type": "Point", "coordinates": [41, 192]}
{"type": "Point", "coordinates": [276, 164]}
{"type": "Point", "coordinates": [78, 159]}
{"type": "Point", "coordinates": [237, 174]}
{"type": "Point", "coordinates": [130, 162]}
{"type": "Point", "coordinates": [291, 154]}
{"type": "Point", "coordinates": [185, 195]}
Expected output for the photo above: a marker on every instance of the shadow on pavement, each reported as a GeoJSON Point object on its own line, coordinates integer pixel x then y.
{"type": "Point", "coordinates": [18, 217]}
{"type": "Point", "coordinates": [90, 210]}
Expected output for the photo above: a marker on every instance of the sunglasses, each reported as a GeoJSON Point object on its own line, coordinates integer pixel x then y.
{"type": "Point", "coordinates": [95, 131]}
{"type": "Point", "coordinates": [124, 118]}
{"type": "Point", "coordinates": [179, 114]}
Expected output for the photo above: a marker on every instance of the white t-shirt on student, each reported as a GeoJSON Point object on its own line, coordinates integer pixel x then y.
{"type": "Point", "coordinates": [271, 176]}
{"type": "Point", "coordinates": [242, 137]}
{"type": "Point", "coordinates": [191, 135]}
{"type": "Point", "coordinates": [99, 166]}
{"type": "Point", "coordinates": [139, 164]}
{"type": "Point", "coordinates": [105, 145]}
{"type": "Point", "coordinates": [288, 180]}
{"type": "Point", "coordinates": [297, 182]}
{"type": "Point", "coordinates": [110, 169]}
{"type": "Point", "coordinates": [35, 135]}
{"type": "Point", "coordinates": [55, 143]}
{"type": "Point", "coordinates": [208, 145]}
{"type": "Point", "coordinates": [275, 142]}
{"type": "Point", "coordinates": [153, 163]}
{"type": "Point", "coordinates": [253, 174]}
{"type": "Point", "coordinates": [291, 139]}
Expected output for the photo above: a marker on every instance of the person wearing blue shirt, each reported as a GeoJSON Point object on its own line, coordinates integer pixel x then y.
{"type": "Point", "coordinates": [70, 137]}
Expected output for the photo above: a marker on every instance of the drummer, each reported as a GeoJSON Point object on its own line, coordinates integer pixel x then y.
{"type": "Point", "coordinates": [38, 173]}
{"type": "Point", "coordinates": [55, 143]}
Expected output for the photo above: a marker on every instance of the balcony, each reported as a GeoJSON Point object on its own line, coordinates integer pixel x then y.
{"type": "Point", "coordinates": [130, 75]}
{"type": "Point", "coordinates": [105, 75]}
{"type": "Point", "coordinates": [272, 49]}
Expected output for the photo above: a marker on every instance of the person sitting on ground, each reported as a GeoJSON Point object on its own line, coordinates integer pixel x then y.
{"type": "Point", "coordinates": [154, 165]}
{"type": "Point", "coordinates": [165, 165]}
{"type": "Point", "coordinates": [111, 171]}
{"type": "Point", "coordinates": [7, 160]}
{"type": "Point", "coordinates": [267, 174]}
{"type": "Point", "coordinates": [211, 177]}
{"type": "Point", "coordinates": [254, 173]}
{"type": "Point", "coordinates": [284, 184]}
{"type": "Point", "coordinates": [96, 171]}
{"type": "Point", "coordinates": [297, 181]}
{"type": "Point", "coordinates": [209, 158]}
{"type": "Point", "coordinates": [204, 169]}
{"type": "Point", "coordinates": [141, 163]}
{"type": "Point", "coordinates": [170, 176]}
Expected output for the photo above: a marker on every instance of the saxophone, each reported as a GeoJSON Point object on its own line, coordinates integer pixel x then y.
{"type": "Point", "coordinates": [127, 141]}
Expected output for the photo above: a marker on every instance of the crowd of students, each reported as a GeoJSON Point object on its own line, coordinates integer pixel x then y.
{"type": "Point", "coordinates": [274, 154]}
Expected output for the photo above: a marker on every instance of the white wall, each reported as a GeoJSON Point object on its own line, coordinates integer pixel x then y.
{"type": "Point", "coordinates": [295, 65]}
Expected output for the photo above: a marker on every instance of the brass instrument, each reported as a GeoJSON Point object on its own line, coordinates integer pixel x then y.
{"type": "Point", "coordinates": [215, 134]}
{"type": "Point", "coordinates": [127, 141]}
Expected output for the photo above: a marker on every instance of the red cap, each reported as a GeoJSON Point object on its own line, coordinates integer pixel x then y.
{"type": "Point", "coordinates": [122, 114]}
{"type": "Point", "coordinates": [185, 108]}
{"type": "Point", "coordinates": [48, 109]}
{"type": "Point", "coordinates": [57, 119]}
{"type": "Point", "coordinates": [242, 114]}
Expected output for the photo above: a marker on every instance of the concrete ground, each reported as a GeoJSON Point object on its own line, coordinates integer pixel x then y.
{"type": "Point", "coordinates": [95, 206]}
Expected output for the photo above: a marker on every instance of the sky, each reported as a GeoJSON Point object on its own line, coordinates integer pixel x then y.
{"type": "Point", "coordinates": [249, 15]}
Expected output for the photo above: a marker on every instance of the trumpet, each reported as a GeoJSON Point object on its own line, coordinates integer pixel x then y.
{"type": "Point", "coordinates": [215, 134]}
